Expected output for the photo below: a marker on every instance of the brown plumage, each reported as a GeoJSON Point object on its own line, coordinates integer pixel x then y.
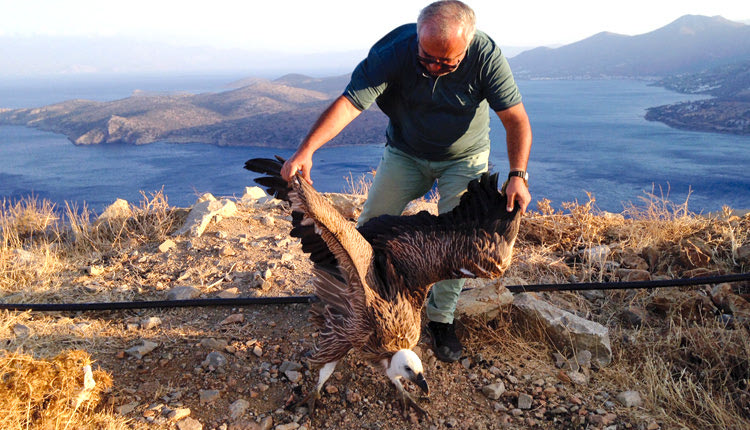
{"type": "Point", "coordinates": [372, 282]}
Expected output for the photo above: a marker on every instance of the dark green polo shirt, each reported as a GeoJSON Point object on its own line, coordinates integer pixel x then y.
{"type": "Point", "coordinates": [434, 118]}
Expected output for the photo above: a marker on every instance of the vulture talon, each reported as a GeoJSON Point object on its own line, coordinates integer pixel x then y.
{"type": "Point", "coordinates": [408, 401]}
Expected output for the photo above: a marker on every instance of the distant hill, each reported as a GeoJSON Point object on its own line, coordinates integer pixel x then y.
{"type": "Point", "coordinates": [332, 85]}
{"type": "Point", "coordinates": [689, 44]}
{"type": "Point", "coordinates": [263, 113]}
{"type": "Point", "coordinates": [727, 112]}
{"type": "Point", "coordinates": [730, 81]}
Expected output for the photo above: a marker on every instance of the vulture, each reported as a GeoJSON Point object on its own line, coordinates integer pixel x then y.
{"type": "Point", "coordinates": [371, 282]}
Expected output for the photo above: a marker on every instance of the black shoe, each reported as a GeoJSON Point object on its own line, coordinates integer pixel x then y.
{"type": "Point", "coordinates": [445, 344]}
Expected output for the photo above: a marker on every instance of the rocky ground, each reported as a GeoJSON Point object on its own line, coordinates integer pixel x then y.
{"type": "Point", "coordinates": [237, 368]}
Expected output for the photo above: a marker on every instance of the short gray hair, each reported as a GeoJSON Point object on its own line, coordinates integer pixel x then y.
{"type": "Point", "coordinates": [445, 14]}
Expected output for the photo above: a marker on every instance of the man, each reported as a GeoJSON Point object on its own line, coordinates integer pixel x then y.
{"type": "Point", "coordinates": [436, 81]}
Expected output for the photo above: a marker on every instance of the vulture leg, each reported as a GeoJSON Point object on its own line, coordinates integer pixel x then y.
{"type": "Point", "coordinates": [407, 400]}
{"type": "Point", "coordinates": [325, 372]}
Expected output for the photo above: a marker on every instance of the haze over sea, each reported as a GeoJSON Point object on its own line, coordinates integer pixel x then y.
{"type": "Point", "coordinates": [589, 136]}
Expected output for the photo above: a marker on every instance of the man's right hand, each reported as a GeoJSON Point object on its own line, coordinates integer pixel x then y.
{"type": "Point", "coordinates": [299, 162]}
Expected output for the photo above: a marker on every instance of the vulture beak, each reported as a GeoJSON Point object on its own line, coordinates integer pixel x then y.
{"type": "Point", "coordinates": [422, 383]}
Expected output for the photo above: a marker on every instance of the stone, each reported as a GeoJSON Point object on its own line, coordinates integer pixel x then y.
{"type": "Point", "coordinates": [577, 378]}
{"type": "Point", "coordinates": [208, 396]}
{"type": "Point", "coordinates": [141, 350]}
{"type": "Point", "coordinates": [725, 299]}
{"type": "Point", "coordinates": [203, 212]}
{"type": "Point", "coordinates": [353, 396]}
{"type": "Point", "coordinates": [494, 391]}
{"type": "Point", "coordinates": [167, 245]}
{"type": "Point", "coordinates": [289, 426]}
{"type": "Point", "coordinates": [215, 344]}
{"type": "Point", "coordinates": [214, 359]}
{"type": "Point", "coordinates": [183, 293]}
{"type": "Point", "coordinates": [229, 293]}
{"type": "Point", "coordinates": [238, 408]}
{"type": "Point", "coordinates": [178, 414]}
{"type": "Point", "coordinates": [583, 358]}
{"type": "Point", "coordinates": [267, 220]}
{"type": "Point", "coordinates": [597, 255]}
{"type": "Point", "coordinates": [95, 270]}
{"type": "Point", "coordinates": [127, 408]}
{"type": "Point", "coordinates": [629, 399]}
{"type": "Point", "coordinates": [293, 376]}
{"type": "Point", "coordinates": [150, 322]}
{"type": "Point", "coordinates": [189, 424]}
{"type": "Point", "coordinates": [289, 365]}
{"type": "Point", "coordinates": [253, 193]}
{"type": "Point", "coordinates": [487, 299]}
{"type": "Point", "coordinates": [118, 210]}
{"type": "Point", "coordinates": [632, 261]}
{"type": "Point", "coordinates": [633, 317]}
{"type": "Point", "coordinates": [21, 330]}
{"type": "Point", "coordinates": [633, 275]}
{"type": "Point", "coordinates": [695, 253]}
{"type": "Point", "coordinates": [348, 205]}
{"type": "Point", "coordinates": [566, 330]}
{"type": "Point", "coordinates": [524, 401]}
{"type": "Point", "coordinates": [233, 319]}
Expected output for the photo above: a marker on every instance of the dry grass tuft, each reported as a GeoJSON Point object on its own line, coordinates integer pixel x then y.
{"type": "Point", "coordinates": [50, 394]}
{"type": "Point", "coordinates": [151, 221]}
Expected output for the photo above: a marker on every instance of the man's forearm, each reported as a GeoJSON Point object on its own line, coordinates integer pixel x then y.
{"type": "Point", "coordinates": [518, 136]}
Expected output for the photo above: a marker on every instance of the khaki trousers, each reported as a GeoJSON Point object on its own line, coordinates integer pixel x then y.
{"type": "Point", "coordinates": [401, 178]}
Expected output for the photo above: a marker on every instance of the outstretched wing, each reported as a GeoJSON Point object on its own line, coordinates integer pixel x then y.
{"type": "Point", "coordinates": [341, 255]}
{"type": "Point", "coordinates": [474, 240]}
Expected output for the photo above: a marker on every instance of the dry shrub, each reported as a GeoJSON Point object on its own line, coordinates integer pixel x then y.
{"type": "Point", "coordinates": [25, 220]}
{"type": "Point", "coordinates": [49, 394]}
{"type": "Point", "coordinates": [151, 221]}
{"type": "Point", "coordinates": [696, 375]}
{"type": "Point", "coordinates": [582, 226]}
{"type": "Point", "coordinates": [27, 254]}
{"type": "Point", "coordinates": [359, 186]}
{"type": "Point", "coordinates": [502, 340]}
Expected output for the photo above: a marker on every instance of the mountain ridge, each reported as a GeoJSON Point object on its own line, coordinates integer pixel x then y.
{"type": "Point", "coordinates": [689, 44]}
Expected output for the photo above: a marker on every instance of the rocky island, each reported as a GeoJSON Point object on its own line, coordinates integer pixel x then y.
{"type": "Point", "coordinates": [727, 112]}
{"type": "Point", "coordinates": [258, 113]}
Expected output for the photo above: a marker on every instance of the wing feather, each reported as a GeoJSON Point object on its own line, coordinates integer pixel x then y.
{"type": "Point", "coordinates": [342, 257]}
{"type": "Point", "coordinates": [473, 240]}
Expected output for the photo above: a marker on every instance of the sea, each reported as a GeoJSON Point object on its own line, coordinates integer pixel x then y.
{"type": "Point", "coordinates": [590, 141]}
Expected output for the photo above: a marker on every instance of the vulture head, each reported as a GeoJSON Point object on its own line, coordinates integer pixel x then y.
{"type": "Point", "coordinates": [405, 364]}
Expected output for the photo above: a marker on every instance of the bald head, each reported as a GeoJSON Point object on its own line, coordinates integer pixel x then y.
{"type": "Point", "coordinates": [446, 21]}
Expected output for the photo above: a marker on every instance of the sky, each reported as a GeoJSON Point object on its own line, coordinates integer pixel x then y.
{"type": "Point", "coordinates": [308, 26]}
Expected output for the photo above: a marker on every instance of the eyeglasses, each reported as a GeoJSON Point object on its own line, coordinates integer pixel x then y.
{"type": "Point", "coordinates": [443, 66]}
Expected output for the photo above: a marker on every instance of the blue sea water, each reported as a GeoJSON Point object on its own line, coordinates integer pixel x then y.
{"type": "Point", "coordinates": [589, 136]}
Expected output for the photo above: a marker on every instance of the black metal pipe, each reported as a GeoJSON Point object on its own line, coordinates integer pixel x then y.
{"type": "Point", "coordinates": [282, 300]}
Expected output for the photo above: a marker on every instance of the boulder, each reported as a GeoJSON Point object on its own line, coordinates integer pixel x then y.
{"type": "Point", "coordinates": [118, 210]}
{"type": "Point", "coordinates": [203, 212]}
{"type": "Point", "coordinates": [485, 299]}
{"type": "Point", "coordinates": [567, 331]}
{"type": "Point", "coordinates": [350, 206]}
{"type": "Point", "coordinates": [729, 302]}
